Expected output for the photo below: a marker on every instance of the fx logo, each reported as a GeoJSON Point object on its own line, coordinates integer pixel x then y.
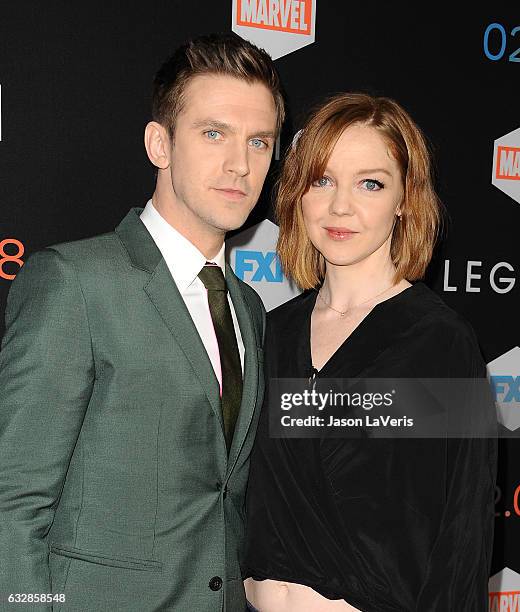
{"type": "Point", "coordinates": [506, 388]}
{"type": "Point", "coordinates": [246, 260]}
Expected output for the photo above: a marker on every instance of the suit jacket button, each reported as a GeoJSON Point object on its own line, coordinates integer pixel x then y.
{"type": "Point", "coordinates": [215, 584]}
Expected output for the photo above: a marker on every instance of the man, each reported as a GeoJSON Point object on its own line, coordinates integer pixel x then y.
{"type": "Point", "coordinates": [130, 384]}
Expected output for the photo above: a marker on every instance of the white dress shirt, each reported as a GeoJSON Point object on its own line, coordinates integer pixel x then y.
{"type": "Point", "coordinates": [185, 262]}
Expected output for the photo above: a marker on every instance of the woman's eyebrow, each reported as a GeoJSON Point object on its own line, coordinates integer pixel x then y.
{"type": "Point", "coordinates": [370, 170]}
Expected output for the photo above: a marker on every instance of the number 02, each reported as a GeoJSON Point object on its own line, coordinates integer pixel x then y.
{"type": "Point", "coordinates": [494, 57]}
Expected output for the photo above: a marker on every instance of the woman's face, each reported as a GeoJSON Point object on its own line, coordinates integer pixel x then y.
{"type": "Point", "coordinates": [349, 212]}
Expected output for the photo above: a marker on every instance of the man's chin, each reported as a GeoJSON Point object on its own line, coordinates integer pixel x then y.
{"type": "Point", "coordinates": [230, 225]}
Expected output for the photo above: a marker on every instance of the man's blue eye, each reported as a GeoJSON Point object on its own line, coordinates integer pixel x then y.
{"type": "Point", "coordinates": [212, 134]}
{"type": "Point", "coordinates": [257, 143]}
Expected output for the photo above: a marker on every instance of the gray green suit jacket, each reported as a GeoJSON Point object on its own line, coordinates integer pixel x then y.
{"type": "Point", "coordinates": [115, 484]}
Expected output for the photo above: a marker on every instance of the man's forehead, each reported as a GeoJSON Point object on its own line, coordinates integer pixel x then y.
{"type": "Point", "coordinates": [203, 91]}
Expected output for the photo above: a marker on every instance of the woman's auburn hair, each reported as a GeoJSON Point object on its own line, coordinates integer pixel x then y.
{"type": "Point", "coordinates": [414, 236]}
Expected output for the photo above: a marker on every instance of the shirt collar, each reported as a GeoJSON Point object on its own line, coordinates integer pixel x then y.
{"type": "Point", "coordinates": [183, 258]}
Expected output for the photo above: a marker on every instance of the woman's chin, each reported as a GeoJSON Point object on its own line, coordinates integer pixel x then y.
{"type": "Point", "coordinates": [340, 260]}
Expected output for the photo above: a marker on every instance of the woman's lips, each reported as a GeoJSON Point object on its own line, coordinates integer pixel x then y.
{"type": "Point", "coordinates": [340, 233]}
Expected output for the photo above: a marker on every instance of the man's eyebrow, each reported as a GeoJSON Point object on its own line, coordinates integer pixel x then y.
{"type": "Point", "coordinates": [209, 122]}
{"type": "Point", "coordinates": [267, 134]}
{"type": "Point", "coordinates": [221, 125]}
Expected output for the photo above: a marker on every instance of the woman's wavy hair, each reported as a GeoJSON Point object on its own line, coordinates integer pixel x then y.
{"type": "Point", "coordinates": [413, 237]}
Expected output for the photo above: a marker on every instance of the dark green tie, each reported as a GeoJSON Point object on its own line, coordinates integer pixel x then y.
{"type": "Point", "coordinates": [213, 278]}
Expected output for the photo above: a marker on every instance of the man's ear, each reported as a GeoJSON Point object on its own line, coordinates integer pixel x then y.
{"type": "Point", "coordinates": [157, 144]}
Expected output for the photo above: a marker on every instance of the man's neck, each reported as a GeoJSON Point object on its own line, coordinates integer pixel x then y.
{"type": "Point", "coordinates": [207, 242]}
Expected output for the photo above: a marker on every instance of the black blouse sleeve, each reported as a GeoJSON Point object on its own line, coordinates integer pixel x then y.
{"type": "Point", "coordinates": [459, 563]}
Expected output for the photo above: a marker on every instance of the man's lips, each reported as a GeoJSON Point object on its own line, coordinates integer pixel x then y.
{"type": "Point", "coordinates": [230, 193]}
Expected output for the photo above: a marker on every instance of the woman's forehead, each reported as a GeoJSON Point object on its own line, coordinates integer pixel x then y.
{"type": "Point", "coordinates": [362, 147]}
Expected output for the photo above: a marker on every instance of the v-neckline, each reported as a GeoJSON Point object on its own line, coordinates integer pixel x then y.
{"type": "Point", "coordinates": [362, 324]}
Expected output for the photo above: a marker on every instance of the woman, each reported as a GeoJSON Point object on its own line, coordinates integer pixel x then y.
{"type": "Point", "coordinates": [366, 524]}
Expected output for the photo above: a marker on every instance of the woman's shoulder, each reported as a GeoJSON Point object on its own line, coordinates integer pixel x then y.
{"type": "Point", "coordinates": [431, 312]}
{"type": "Point", "coordinates": [293, 311]}
{"type": "Point", "coordinates": [417, 306]}
{"type": "Point", "coordinates": [433, 330]}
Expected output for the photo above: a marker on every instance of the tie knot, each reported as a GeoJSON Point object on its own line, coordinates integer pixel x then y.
{"type": "Point", "coordinates": [212, 277]}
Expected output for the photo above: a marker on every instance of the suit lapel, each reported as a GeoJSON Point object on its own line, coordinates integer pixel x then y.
{"type": "Point", "coordinates": [162, 291]}
{"type": "Point", "coordinates": [250, 379]}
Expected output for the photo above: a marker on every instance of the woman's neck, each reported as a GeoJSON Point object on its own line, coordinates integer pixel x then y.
{"type": "Point", "coordinates": [345, 287]}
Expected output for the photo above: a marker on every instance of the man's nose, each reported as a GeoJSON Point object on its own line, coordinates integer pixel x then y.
{"type": "Point", "coordinates": [237, 159]}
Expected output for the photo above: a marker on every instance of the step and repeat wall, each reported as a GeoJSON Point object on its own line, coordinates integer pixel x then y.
{"type": "Point", "coordinates": [75, 83]}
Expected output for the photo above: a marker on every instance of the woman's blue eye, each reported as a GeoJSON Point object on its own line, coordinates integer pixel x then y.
{"type": "Point", "coordinates": [322, 182]}
{"type": "Point", "coordinates": [373, 185]}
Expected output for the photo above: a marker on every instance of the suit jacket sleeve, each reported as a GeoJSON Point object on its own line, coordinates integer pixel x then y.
{"type": "Point", "coordinates": [46, 378]}
{"type": "Point", "coordinates": [459, 563]}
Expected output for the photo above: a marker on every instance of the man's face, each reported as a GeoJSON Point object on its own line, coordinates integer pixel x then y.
{"type": "Point", "coordinates": [221, 151]}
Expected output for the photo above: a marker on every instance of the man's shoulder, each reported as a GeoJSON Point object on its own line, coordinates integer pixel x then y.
{"type": "Point", "coordinates": [93, 248]}
{"type": "Point", "coordinates": [89, 259]}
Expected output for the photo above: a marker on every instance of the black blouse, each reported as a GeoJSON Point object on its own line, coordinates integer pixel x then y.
{"type": "Point", "coordinates": [385, 524]}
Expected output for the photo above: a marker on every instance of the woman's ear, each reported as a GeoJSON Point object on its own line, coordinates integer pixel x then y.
{"type": "Point", "coordinates": [399, 210]}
